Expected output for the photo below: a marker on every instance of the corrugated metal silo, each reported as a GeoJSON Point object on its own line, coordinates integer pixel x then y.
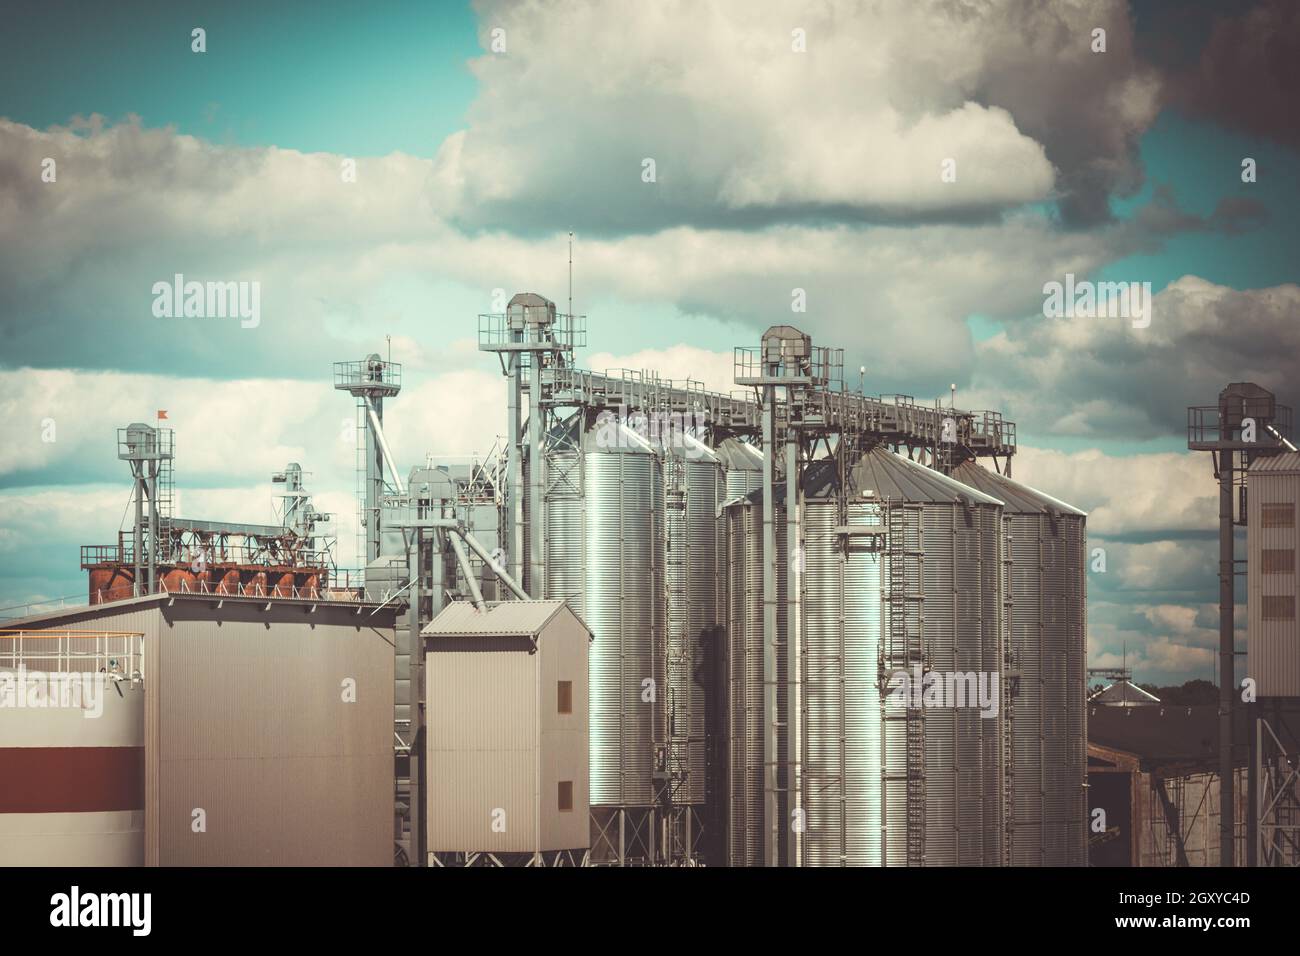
{"type": "Point", "coordinates": [694, 569]}
{"type": "Point", "coordinates": [885, 784]}
{"type": "Point", "coordinates": [1048, 650]}
{"type": "Point", "coordinates": [622, 604]}
{"type": "Point", "coordinates": [744, 706]}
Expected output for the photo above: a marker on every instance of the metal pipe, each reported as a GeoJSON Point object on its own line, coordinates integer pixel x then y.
{"type": "Point", "coordinates": [463, 560]}
{"type": "Point", "coordinates": [377, 428]}
{"type": "Point", "coordinates": [515, 466]}
{"type": "Point", "coordinates": [1227, 647]}
{"type": "Point", "coordinates": [771, 805]}
{"type": "Point", "coordinates": [499, 571]}
{"type": "Point", "coordinates": [792, 638]}
{"type": "Point", "coordinates": [536, 467]}
{"type": "Point", "coordinates": [153, 527]}
{"type": "Point", "coordinates": [138, 530]}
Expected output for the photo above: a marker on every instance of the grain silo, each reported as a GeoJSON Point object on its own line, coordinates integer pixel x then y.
{"type": "Point", "coordinates": [1047, 656]}
{"type": "Point", "coordinates": [744, 717]}
{"type": "Point", "coordinates": [744, 466]}
{"type": "Point", "coordinates": [902, 578]}
{"type": "Point", "coordinates": [694, 577]}
{"type": "Point", "coordinates": [603, 544]}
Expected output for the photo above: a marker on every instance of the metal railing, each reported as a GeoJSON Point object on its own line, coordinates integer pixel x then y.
{"type": "Point", "coordinates": [118, 654]}
{"type": "Point", "coordinates": [15, 611]}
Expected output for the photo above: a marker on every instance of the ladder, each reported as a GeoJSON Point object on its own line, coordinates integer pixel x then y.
{"type": "Point", "coordinates": [164, 493]}
{"type": "Point", "coordinates": [904, 650]}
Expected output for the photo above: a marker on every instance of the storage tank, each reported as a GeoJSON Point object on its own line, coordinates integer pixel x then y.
{"type": "Point", "coordinates": [902, 571]}
{"type": "Point", "coordinates": [744, 681]}
{"type": "Point", "coordinates": [743, 464]}
{"type": "Point", "coordinates": [942, 593]}
{"type": "Point", "coordinates": [1048, 652]}
{"type": "Point", "coordinates": [72, 755]}
{"type": "Point", "coordinates": [623, 488]}
{"type": "Point", "coordinates": [694, 486]}
{"type": "Point", "coordinates": [603, 525]}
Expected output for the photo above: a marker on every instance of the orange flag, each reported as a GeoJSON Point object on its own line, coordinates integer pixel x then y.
{"type": "Point", "coordinates": [162, 413]}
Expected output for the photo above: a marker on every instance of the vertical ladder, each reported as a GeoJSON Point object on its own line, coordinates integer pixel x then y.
{"type": "Point", "coordinates": [164, 491]}
{"type": "Point", "coordinates": [905, 651]}
{"type": "Point", "coordinates": [362, 425]}
{"type": "Point", "coordinates": [674, 728]}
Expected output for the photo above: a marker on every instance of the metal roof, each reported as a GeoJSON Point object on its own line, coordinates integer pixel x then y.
{"type": "Point", "coordinates": [525, 618]}
{"type": "Point", "coordinates": [735, 453]}
{"type": "Point", "coordinates": [1165, 735]}
{"type": "Point", "coordinates": [888, 475]}
{"type": "Point", "coordinates": [1285, 463]}
{"type": "Point", "coordinates": [1123, 693]}
{"type": "Point", "coordinates": [1019, 498]}
{"type": "Point", "coordinates": [372, 613]}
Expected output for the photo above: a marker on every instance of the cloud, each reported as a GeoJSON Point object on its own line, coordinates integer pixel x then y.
{"type": "Point", "coordinates": [745, 131]}
{"type": "Point", "coordinates": [338, 263]}
{"type": "Point", "coordinates": [1103, 379]}
{"type": "Point", "coordinates": [1247, 73]}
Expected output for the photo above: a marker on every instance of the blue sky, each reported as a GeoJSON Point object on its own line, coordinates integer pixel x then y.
{"type": "Point", "coordinates": [776, 171]}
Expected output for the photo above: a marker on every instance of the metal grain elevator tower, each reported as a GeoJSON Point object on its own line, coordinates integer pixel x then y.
{"type": "Point", "coordinates": [1246, 424]}
{"type": "Point", "coordinates": [370, 381]}
{"type": "Point", "coordinates": [149, 451]}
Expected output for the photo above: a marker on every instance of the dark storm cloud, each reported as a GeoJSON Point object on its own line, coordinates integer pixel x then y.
{"type": "Point", "coordinates": [1247, 76]}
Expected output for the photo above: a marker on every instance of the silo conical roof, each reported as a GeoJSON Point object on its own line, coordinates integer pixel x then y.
{"type": "Point", "coordinates": [888, 475]}
{"type": "Point", "coordinates": [1019, 498]}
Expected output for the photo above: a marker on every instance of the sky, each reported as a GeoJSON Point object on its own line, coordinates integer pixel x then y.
{"type": "Point", "coordinates": [794, 146]}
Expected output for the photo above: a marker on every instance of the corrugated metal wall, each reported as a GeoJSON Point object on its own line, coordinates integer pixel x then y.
{"type": "Point", "coordinates": [1273, 639]}
{"type": "Point", "coordinates": [249, 723]}
{"type": "Point", "coordinates": [482, 737]}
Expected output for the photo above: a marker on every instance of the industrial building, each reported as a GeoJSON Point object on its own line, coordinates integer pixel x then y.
{"type": "Point", "coordinates": [249, 731]}
{"type": "Point", "coordinates": [507, 733]}
{"type": "Point", "coordinates": [793, 625]}
{"type": "Point", "coordinates": [1248, 435]}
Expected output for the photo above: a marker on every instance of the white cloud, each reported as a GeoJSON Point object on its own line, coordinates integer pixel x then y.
{"type": "Point", "coordinates": [737, 122]}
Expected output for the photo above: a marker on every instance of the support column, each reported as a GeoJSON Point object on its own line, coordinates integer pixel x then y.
{"type": "Point", "coordinates": [536, 477]}
{"type": "Point", "coordinates": [793, 637]}
{"type": "Point", "coordinates": [153, 526]}
{"type": "Point", "coordinates": [515, 505]}
{"type": "Point", "coordinates": [1227, 650]}
{"type": "Point", "coordinates": [771, 806]}
{"type": "Point", "coordinates": [137, 538]}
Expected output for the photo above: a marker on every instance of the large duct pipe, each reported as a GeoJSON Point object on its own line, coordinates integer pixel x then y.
{"type": "Point", "coordinates": [499, 571]}
{"type": "Point", "coordinates": [378, 429]}
{"type": "Point", "coordinates": [465, 567]}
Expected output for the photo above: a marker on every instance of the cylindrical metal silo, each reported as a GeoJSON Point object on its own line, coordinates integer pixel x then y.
{"type": "Point", "coordinates": [902, 578]}
{"type": "Point", "coordinates": [744, 467]}
{"type": "Point", "coordinates": [694, 575]}
{"type": "Point", "coordinates": [842, 797]}
{"type": "Point", "coordinates": [744, 705]}
{"type": "Point", "coordinates": [623, 584]}
{"type": "Point", "coordinates": [1048, 649]}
